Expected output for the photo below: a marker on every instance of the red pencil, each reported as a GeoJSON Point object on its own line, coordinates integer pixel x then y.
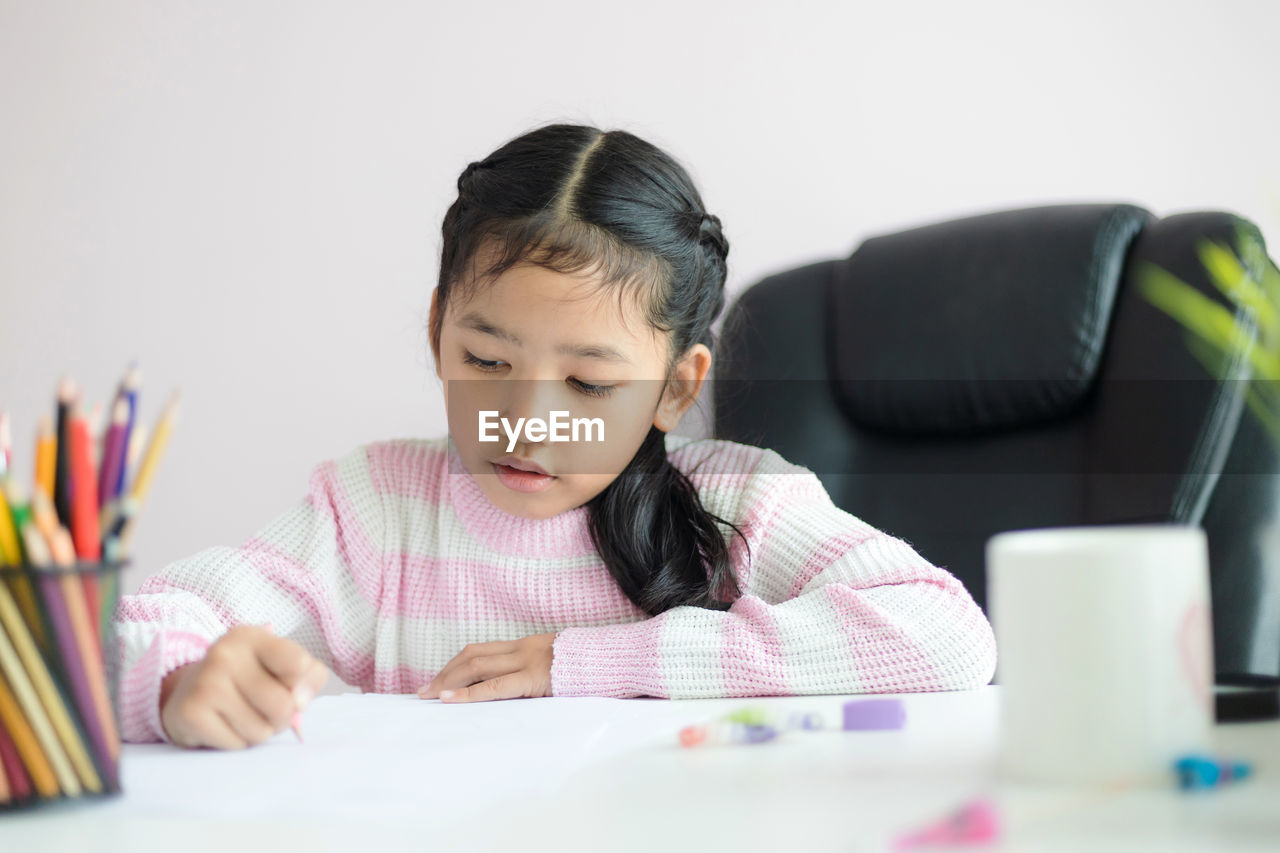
{"type": "Point", "coordinates": [84, 491]}
{"type": "Point", "coordinates": [84, 509]}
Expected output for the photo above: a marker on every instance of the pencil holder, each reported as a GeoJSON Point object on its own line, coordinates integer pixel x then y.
{"type": "Point", "coordinates": [59, 739]}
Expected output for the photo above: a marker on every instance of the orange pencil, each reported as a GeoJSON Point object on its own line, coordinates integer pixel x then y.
{"type": "Point", "coordinates": [46, 455]}
{"type": "Point", "coordinates": [24, 738]}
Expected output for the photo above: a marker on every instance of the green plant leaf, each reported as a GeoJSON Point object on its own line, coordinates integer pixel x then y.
{"type": "Point", "coordinates": [1207, 318]}
{"type": "Point", "coordinates": [1229, 276]}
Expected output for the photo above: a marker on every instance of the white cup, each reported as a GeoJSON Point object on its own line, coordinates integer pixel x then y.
{"type": "Point", "coordinates": [1105, 670]}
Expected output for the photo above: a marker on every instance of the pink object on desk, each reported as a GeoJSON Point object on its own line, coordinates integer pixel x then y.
{"type": "Point", "coordinates": [975, 823]}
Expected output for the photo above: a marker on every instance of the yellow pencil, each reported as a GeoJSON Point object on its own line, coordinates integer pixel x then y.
{"type": "Point", "coordinates": [10, 551]}
{"type": "Point", "coordinates": [19, 582]}
{"type": "Point", "coordinates": [46, 712]}
{"type": "Point", "coordinates": [76, 749]}
{"type": "Point", "coordinates": [150, 460]}
{"type": "Point", "coordinates": [36, 762]}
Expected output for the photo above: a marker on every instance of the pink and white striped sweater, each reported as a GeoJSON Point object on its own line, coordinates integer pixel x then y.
{"type": "Point", "coordinates": [395, 559]}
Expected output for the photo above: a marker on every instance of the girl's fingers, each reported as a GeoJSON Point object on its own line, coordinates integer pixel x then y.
{"type": "Point", "coordinates": [470, 671]}
{"type": "Point", "coordinates": [511, 686]}
{"type": "Point", "coordinates": [219, 733]}
{"type": "Point", "coordinates": [268, 696]}
{"type": "Point", "coordinates": [245, 720]}
{"type": "Point", "coordinates": [448, 672]}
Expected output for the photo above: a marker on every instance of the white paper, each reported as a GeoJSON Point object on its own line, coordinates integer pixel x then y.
{"type": "Point", "coordinates": [382, 756]}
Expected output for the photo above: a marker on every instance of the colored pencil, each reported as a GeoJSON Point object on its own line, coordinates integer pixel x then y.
{"type": "Point", "coordinates": [10, 550]}
{"type": "Point", "coordinates": [20, 584]}
{"type": "Point", "coordinates": [81, 652]}
{"type": "Point", "coordinates": [138, 437]}
{"type": "Point", "coordinates": [150, 460]}
{"type": "Point", "coordinates": [46, 455]}
{"type": "Point", "coordinates": [113, 452]}
{"type": "Point", "coordinates": [24, 737]}
{"type": "Point", "coordinates": [62, 461]}
{"type": "Point", "coordinates": [41, 703]}
{"type": "Point", "coordinates": [129, 392]}
{"type": "Point", "coordinates": [84, 509]}
{"type": "Point", "coordinates": [84, 487]}
{"type": "Point", "coordinates": [15, 784]}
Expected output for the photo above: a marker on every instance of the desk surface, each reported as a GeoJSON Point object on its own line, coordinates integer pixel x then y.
{"type": "Point", "coordinates": [608, 774]}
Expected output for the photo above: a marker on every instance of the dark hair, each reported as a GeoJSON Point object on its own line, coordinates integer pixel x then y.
{"type": "Point", "coordinates": [570, 197]}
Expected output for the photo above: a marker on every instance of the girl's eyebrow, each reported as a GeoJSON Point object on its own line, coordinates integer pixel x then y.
{"type": "Point", "coordinates": [473, 320]}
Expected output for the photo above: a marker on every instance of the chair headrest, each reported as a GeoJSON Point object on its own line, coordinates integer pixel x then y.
{"type": "Point", "coordinates": [980, 323]}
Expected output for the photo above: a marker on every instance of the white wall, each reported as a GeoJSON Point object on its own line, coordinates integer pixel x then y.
{"type": "Point", "coordinates": [246, 196]}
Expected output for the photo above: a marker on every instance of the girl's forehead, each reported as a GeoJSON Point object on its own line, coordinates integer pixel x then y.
{"type": "Point", "coordinates": [534, 303]}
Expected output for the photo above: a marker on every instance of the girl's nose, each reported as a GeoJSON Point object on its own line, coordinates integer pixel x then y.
{"type": "Point", "coordinates": [532, 398]}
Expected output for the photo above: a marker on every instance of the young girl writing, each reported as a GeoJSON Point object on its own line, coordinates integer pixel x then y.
{"type": "Point", "coordinates": [579, 278]}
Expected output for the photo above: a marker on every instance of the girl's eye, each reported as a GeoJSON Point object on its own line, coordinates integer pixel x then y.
{"type": "Point", "coordinates": [480, 363]}
{"type": "Point", "coordinates": [593, 390]}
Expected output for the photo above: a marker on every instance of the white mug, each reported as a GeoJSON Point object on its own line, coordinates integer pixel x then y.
{"type": "Point", "coordinates": [1105, 670]}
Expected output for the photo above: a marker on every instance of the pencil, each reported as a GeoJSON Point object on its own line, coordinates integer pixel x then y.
{"type": "Point", "coordinates": [84, 488]}
{"type": "Point", "coordinates": [62, 460]}
{"type": "Point", "coordinates": [113, 452]}
{"type": "Point", "coordinates": [24, 738]}
{"type": "Point", "coordinates": [150, 460]}
{"type": "Point", "coordinates": [129, 392]}
{"type": "Point", "coordinates": [41, 703]}
{"type": "Point", "coordinates": [18, 581]}
{"type": "Point", "coordinates": [19, 783]}
{"type": "Point", "coordinates": [84, 508]}
{"type": "Point", "coordinates": [10, 550]}
{"type": "Point", "coordinates": [46, 455]}
{"type": "Point", "coordinates": [81, 651]}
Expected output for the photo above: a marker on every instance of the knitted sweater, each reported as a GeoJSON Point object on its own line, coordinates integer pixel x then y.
{"type": "Point", "coordinates": [395, 559]}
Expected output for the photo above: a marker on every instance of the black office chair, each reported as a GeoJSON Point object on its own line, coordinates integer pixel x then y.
{"type": "Point", "coordinates": [1007, 371]}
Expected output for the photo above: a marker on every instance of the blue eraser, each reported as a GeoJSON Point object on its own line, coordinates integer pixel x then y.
{"type": "Point", "coordinates": [871, 714]}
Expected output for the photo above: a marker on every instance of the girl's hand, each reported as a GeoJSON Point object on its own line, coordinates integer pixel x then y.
{"type": "Point", "coordinates": [499, 670]}
{"type": "Point", "coordinates": [243, 691]}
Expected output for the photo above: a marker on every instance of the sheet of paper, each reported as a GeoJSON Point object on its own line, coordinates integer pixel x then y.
{"type": "Point", "coordinates": [397, 757]}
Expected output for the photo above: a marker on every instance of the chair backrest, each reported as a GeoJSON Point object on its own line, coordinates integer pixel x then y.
{"type": "Point", "coordinates": [1009, 371]}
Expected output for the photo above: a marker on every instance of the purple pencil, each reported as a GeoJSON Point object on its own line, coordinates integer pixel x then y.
{"type": "Point", "coordinates": [68, 651]}
{"type": "Point", "coordinates": [113, 450]}
{"type": "Point", "coordinates": [129, 392]}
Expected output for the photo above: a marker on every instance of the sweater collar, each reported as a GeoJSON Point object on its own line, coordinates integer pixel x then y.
{"type": "Point", "coordinates": [564, 535]}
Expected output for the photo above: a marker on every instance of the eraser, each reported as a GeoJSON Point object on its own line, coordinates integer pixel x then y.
{"type": "Point", "coordinates": [871, 714]}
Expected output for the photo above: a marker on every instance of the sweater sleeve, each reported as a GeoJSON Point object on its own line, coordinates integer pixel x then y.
{"type": "Point", "coordinates": [830, 605]}
{"type": "Point", "coordinates": [313, 572]}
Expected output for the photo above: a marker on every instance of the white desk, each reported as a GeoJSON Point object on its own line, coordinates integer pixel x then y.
{"type": "Point", "coordinates": [606, 774]}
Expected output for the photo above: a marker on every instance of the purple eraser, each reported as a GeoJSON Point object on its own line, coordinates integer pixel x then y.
{"type": "Point", "coordinates": [863, 714]}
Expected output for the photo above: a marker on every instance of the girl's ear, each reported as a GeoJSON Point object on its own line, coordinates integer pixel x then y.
{"type": "Point", "coordinates": [431, 324]}
{"type": "Point", "coordinates": [683, 389]}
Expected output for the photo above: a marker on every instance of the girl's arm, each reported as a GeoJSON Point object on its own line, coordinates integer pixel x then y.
{"type": "Point", "coordinates": [830, 605]}
{"type": "Point", "coordinates": [314, 573]}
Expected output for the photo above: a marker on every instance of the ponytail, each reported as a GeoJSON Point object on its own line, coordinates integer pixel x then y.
{"type": "Point", "coordinates": [662, 546]}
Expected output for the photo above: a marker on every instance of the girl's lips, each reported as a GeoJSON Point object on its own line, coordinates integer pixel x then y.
{"type": "Point", "coordinates": [521, 481]}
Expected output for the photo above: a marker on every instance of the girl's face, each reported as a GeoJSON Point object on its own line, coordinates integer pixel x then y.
{"type": "Point", "coordinates": [536, 342]}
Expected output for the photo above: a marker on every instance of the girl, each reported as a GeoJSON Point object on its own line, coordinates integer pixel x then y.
{"type": "Point", "coordinates": [579, 278]}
